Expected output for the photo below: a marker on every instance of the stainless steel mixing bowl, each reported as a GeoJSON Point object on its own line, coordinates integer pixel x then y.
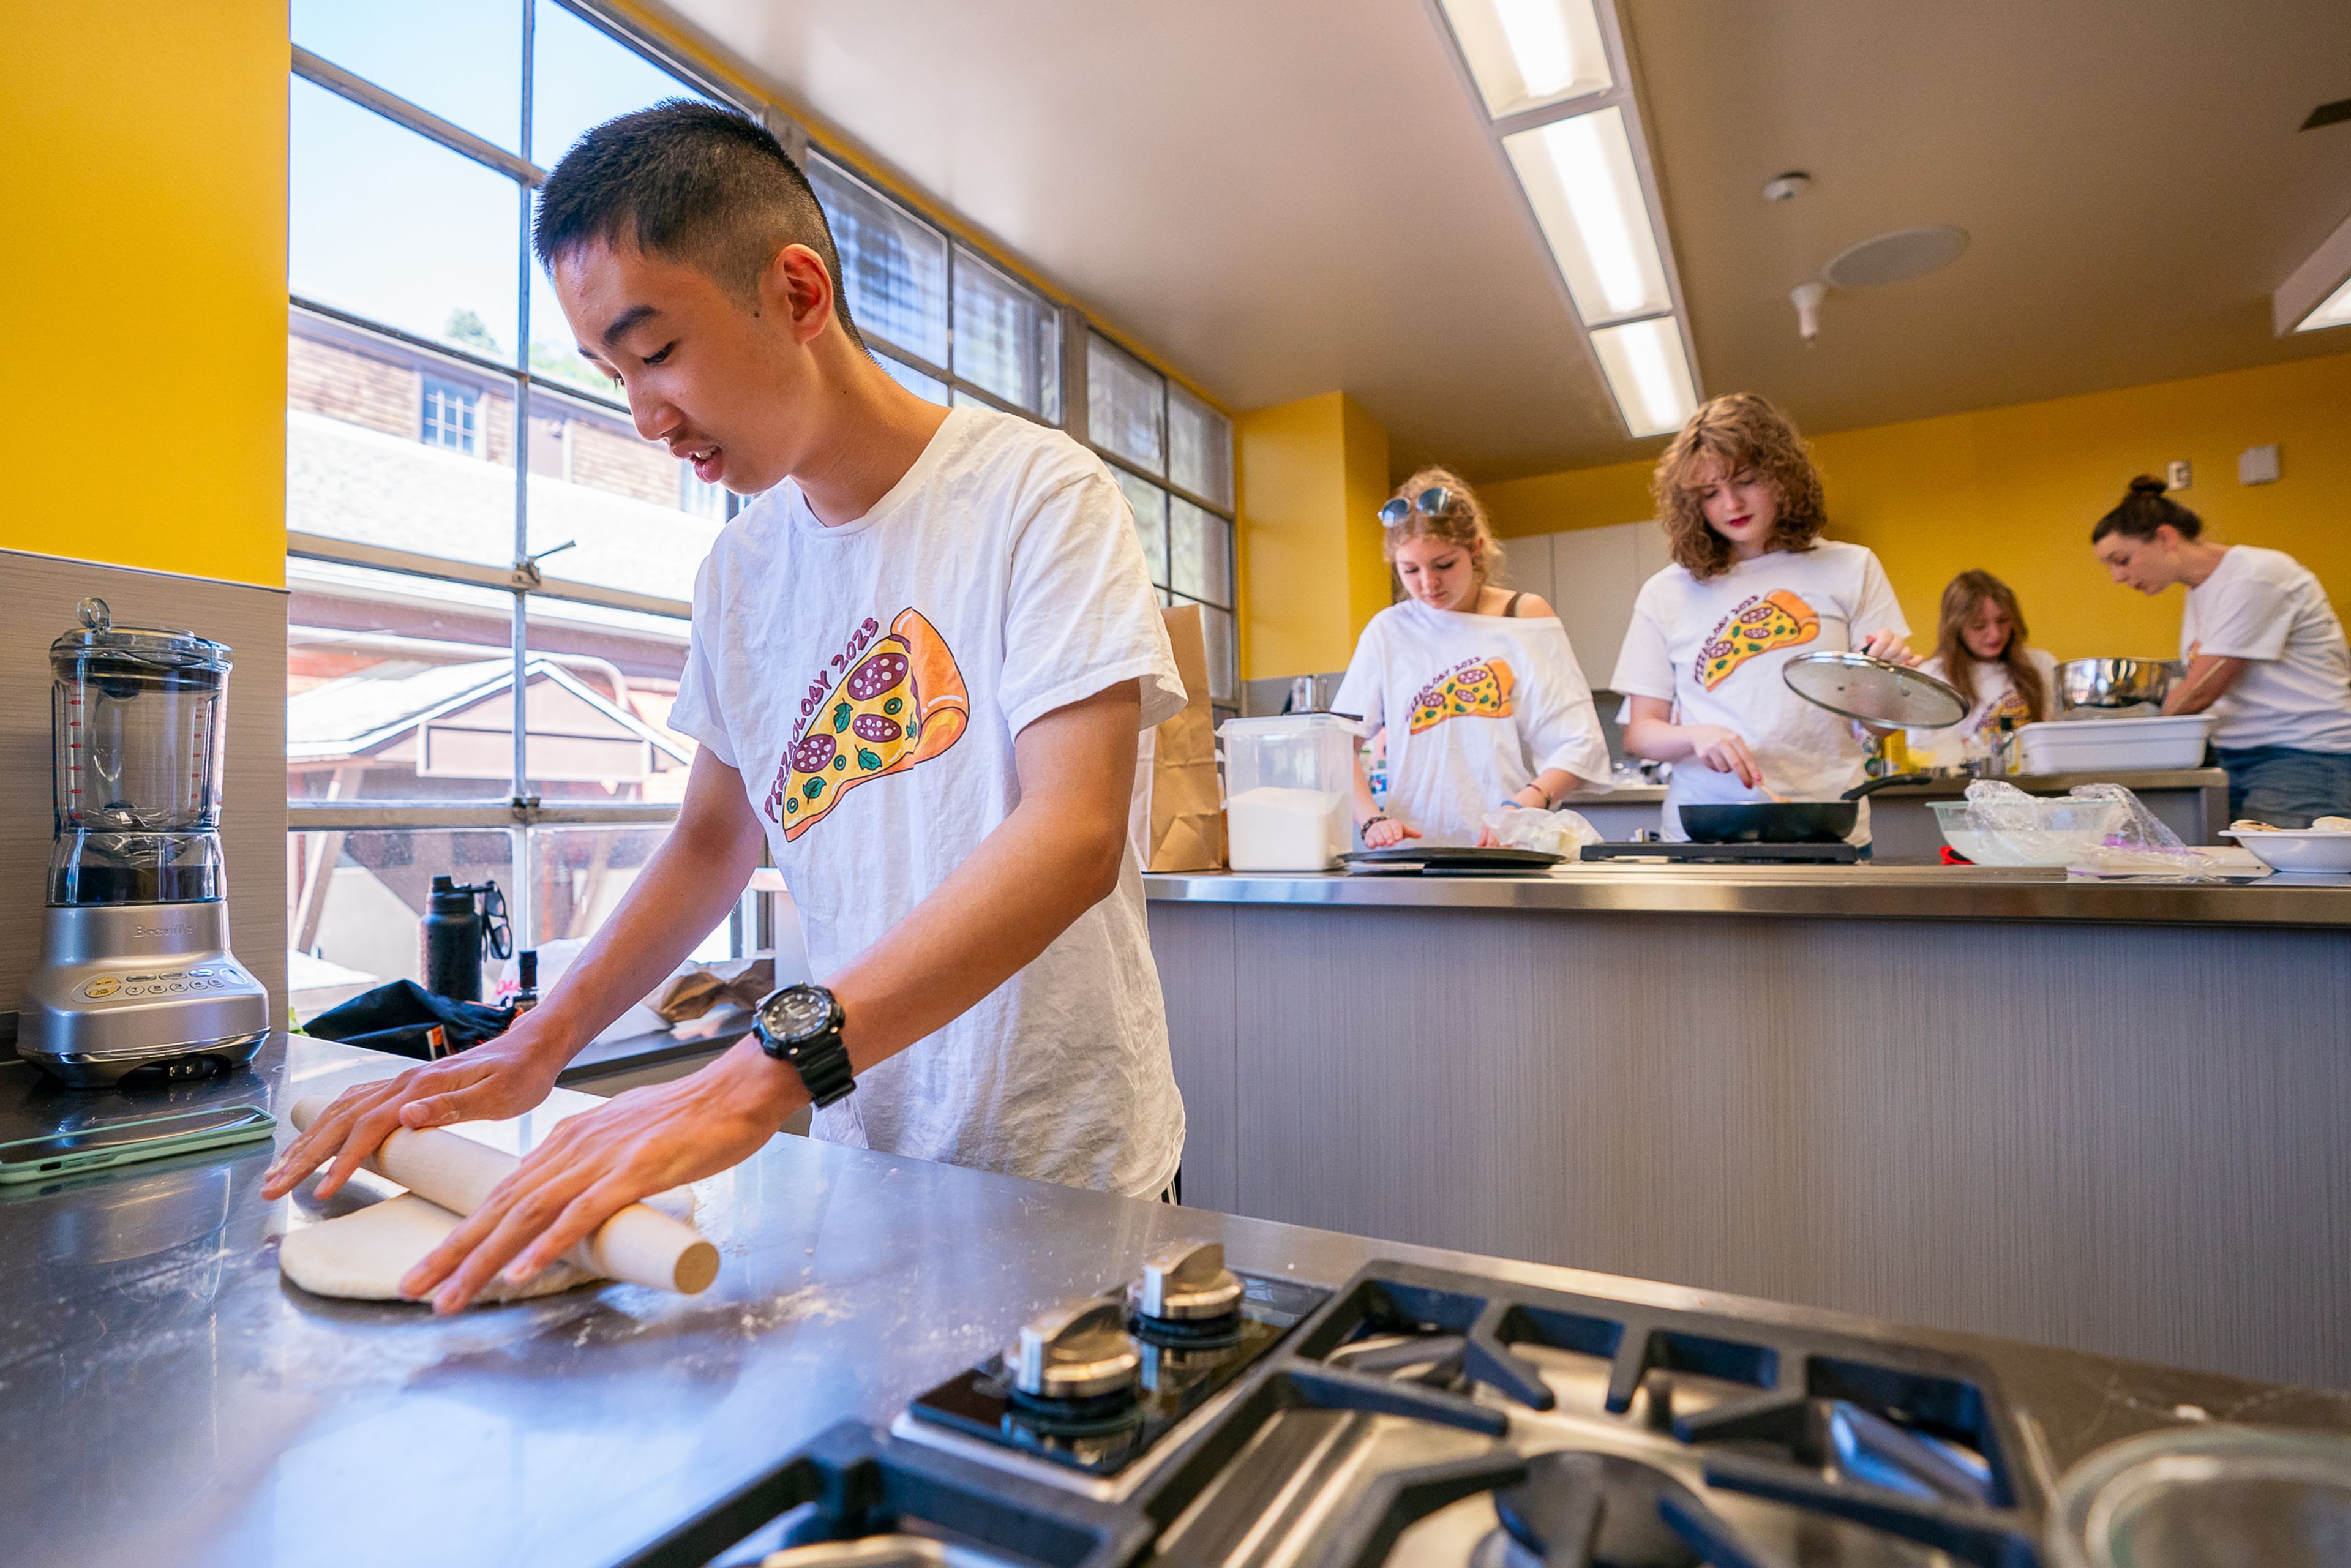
{"type": "Point", "coordinates": [2116, 682]}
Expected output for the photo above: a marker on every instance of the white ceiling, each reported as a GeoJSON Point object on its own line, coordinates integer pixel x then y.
{"type": "Point", "coordinates": [1281, 199]}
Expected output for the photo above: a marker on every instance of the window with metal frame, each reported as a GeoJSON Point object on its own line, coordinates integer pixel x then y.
{"type": "Point", "coordinates": [1173, 455]}
{"type": "Point", "coordinates": [487, 623]}
{"type": "Point", "coordinates": [449, 415]}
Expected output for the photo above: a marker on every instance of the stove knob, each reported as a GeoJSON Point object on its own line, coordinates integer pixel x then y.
{"type": "Point", "coordinates": [1187, 1282]}
{"type": "Point", "coordinates": [1077, 1351]}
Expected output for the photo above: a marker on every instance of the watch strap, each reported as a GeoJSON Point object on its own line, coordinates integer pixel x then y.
{"type": "Point", "coordinates": [823, 1066]}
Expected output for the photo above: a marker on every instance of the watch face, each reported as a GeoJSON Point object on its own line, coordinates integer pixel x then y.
{"type": "Point", "coordinates": [795, 1013]}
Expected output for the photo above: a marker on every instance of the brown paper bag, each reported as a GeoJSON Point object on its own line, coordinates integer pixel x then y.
{"type": "Point", "coordinates": [740, 981]}
{"type": "Point", "coordinates": [1178, 805]}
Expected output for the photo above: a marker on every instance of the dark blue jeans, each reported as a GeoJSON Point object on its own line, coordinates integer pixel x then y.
{"type": "Point", "coordinates": [2284, 786]}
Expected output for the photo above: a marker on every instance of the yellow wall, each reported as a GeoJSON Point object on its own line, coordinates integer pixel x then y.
{"type": "Point", "coordinates": [1313, 475]}
{"type": "Point", "coordinates": [2015, 490]}
{"type": "Point", "coordinates": [145, 182]}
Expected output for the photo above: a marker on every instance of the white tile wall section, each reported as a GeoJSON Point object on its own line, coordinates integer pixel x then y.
{"type": "Point", "coordinates": [1595, 573]}
{"type": "Point", "coordinates": [1651, 549]}
{"type": "Point", "coordinates": [1526, 565]}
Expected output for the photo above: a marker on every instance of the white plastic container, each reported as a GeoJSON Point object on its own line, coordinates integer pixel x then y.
{"type": "Point", "coordinates": [1287, 781]}
{"type": "Point", "coordinates": [2100, 745]}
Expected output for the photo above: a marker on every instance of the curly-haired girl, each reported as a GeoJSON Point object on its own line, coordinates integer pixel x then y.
{"type": "Point", "coordinates": [1752, 584]}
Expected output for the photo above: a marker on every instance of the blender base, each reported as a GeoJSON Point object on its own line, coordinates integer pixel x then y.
{"type": "Point", "coordinates": [125, 987]}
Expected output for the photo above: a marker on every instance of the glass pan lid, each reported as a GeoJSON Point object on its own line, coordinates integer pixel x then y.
{"type": "Point", "coordinates": [1874, 691]}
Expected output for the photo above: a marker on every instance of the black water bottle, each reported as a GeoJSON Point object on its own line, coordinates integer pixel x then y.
{"type": "Point", "coordinates": [453, 934]}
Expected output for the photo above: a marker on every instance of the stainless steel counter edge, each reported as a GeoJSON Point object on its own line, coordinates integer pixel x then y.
{"type": "Point", "coordinates": [1831, 892]}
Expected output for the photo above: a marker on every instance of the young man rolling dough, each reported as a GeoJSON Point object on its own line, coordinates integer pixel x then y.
{"type": "Point", "coordinates": [920, 660]}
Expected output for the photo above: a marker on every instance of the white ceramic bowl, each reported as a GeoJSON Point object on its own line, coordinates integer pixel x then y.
{"type": "Point", "coordinates": [2065, 829]}
{"type": "Point", "coordinates": [2298, 849]}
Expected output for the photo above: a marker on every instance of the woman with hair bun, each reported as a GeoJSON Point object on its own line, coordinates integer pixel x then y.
{"type": "Point", "coordinates": [1481, 694]}
{"type": "Point", "coordinates": [1752, 585]}
{"type": "Point", "coordinates": [2264, 652]}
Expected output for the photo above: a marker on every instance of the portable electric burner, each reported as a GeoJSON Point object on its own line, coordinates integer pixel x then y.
{"type": "Point", "coordinates": [136, 970]}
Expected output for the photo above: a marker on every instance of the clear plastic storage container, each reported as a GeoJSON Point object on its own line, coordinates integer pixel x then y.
{"type": "Point", "coordinates": [1287, 781]}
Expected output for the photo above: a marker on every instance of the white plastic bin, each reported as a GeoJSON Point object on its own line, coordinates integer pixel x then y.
{"type": "Point", "coordinates": [1287, 781]}
{"type": "Point", "coordinates": [2097, 744]}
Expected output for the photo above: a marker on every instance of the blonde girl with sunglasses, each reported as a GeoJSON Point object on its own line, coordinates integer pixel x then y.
{"type": "Point", "coordinates": [1479, 691]}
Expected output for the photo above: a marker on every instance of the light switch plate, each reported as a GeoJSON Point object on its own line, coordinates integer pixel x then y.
{"type": "Point", "coordinates": [2178, 475]}
{"type": "Point", "coordinates": [2257, 465]}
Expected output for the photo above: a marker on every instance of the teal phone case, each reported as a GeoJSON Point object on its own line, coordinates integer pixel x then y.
{"type": "Point", "coordinates": [164, 1136]}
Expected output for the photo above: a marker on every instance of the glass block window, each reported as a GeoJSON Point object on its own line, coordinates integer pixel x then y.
{"type": "Point", "coordinates": [1008, 337]}
{"type": "Point", "coordinates": [1126, 405]}
{"type": "Point", "coordinates": [1199, 448]}
{"type": "Point", "coordinates": [929, 388]}
{"type": "Point", "coordinates": [1150, 504]}
{"type": "Point", "coordinates": [894, 266]}
{"type": "Point", "coordinates": [1173, 455]}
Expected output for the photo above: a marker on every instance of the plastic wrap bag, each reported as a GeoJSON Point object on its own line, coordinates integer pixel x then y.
{"type": "Point", "coordinates": [2097, 829]}
{"type": "Point", "coordinates": [2139, 844]}
{"type": "Point", "coordinates": [1549, 833]}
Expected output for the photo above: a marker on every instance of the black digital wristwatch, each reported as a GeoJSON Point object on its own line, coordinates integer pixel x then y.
{"type": "Point", "coordinates": [802, 1025]}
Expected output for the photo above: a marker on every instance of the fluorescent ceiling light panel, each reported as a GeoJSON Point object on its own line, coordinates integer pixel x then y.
{"type": "Point", "coordinates": [2317, 294]}
{"type": "Point", "coordinates": [1579, 175]}
{"type": "Point", "coordinates": [1527, 54]}
{"type": "Point", "coordinates": [1648, 372]}
{"type": "Point", "coordinates": [2334, 310]}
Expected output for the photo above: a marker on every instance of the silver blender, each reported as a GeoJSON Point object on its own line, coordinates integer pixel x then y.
{"type": "Point", "coordinates": [135, 970]}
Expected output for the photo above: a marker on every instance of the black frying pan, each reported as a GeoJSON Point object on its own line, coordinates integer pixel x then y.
{"type": "Point", "coordinates": [1789, 822]}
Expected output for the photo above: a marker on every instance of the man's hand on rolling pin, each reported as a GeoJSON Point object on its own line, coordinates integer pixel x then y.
{"type": "Point", "coordinates": [595, 1164]}
{"type": "Point", "coordinates": [500, 1078]}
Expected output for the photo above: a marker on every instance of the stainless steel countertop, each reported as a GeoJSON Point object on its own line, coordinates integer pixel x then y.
{"type": "Point", "coordinates": [172, 1400]}
{"type": "Point", "coordinates": [1868, 892]}
{"type": "Point", "coordinates": [1955, 787]}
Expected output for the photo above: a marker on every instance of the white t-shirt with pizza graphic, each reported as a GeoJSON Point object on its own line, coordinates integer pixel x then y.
{"type": "Point", "coordinates": [867, 682]}
{"type": "Point", "coordinates": [1475, 706]}
{"type": "Point", "coordinates": [1715, 650]}
{"type": "Point", "coordinates": [1997, 699]}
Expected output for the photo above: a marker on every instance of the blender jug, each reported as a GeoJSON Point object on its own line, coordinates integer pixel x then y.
{"type": "Point", "coordinates": [135, 733]}
{"type": "Point", "coordinates": [135, 970]}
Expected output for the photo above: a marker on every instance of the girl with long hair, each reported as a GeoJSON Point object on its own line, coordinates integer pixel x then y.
{"type": "Point", "coordinates": [1981, 649]}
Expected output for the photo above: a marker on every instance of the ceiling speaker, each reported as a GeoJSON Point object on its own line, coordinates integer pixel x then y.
{"type": "Point", "coordinates": [1896, 257]}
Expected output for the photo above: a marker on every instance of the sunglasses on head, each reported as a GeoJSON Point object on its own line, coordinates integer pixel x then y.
{"type": "Point", "coordinates": [1433, 502]}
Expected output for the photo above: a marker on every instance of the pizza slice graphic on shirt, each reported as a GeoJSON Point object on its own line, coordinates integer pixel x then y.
{"type": "Point", "coordinates": [1478, 690]}
{"type": "Point", "coordinates": [902, 702]}
{"type": "Point", "coordinates": [1777, 620]}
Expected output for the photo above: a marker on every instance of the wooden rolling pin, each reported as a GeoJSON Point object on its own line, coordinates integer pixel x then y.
{"type": "Point", "coordinates": [639, 1245]}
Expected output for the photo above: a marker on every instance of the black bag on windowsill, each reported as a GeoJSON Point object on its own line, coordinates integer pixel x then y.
{"type": "Point", "coordinates": [399, 1017]}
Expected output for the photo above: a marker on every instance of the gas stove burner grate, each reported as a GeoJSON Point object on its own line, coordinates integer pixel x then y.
{"type": "Point", "coordinates": [1577, 1430]}
{"type": "Point", "coordinates": [1903, 1439]}
{"type": "Point", "coordinates": [1608, 1511]}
